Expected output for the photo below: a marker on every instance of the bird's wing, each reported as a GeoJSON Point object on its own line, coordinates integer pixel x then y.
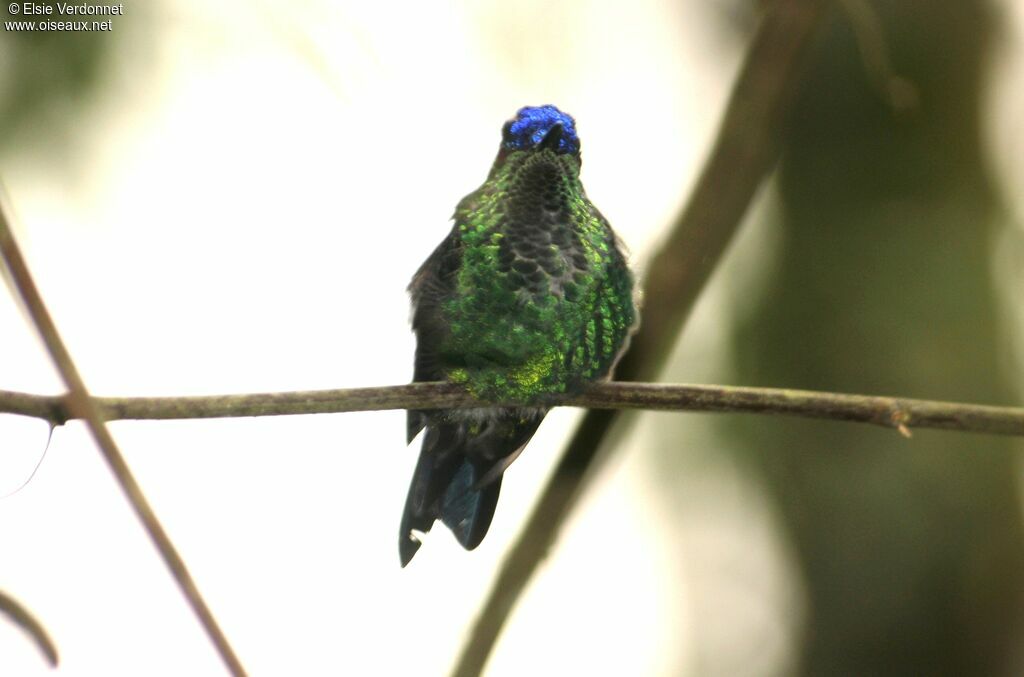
{"type": "Point", "coordinates": [432, 283]}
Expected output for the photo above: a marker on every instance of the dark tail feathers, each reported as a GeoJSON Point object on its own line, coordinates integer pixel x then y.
{"type": "Point", "coordinates": [458, 477]}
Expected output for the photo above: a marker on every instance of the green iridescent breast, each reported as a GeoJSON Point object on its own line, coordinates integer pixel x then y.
{"type": "Point", "coordinates": [543, 300]}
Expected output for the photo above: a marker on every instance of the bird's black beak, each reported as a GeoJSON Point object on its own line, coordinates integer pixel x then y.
{"type": "Point", "coordinates": [552, 138]}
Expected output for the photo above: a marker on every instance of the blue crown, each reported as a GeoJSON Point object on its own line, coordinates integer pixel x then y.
{"type": "Point", "coordinates": [532, 123]}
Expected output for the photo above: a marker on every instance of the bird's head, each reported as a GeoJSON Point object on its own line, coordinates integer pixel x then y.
{"type": "Point", "coordinates": [538, 128]}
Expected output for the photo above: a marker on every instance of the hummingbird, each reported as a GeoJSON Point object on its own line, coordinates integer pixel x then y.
{"type": "Point", "coordinates": [528, 296]}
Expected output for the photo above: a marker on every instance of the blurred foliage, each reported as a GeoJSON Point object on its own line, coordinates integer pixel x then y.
{"type": "Point", "coordinates": [912, 551]}
{"type": "Point", "coordinates": [46, 74]}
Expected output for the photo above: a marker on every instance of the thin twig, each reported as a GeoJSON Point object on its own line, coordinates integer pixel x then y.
{"type": "Point", "coordinates": [744, 153]}
{"type": "Point", "coordinates": [899, 413]}
{"type": "Point", "coordinates": [27, 622]}
{"type": "Point", "coordinates": [79, 404]}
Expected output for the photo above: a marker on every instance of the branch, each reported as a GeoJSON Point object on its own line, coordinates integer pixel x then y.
{"type": "Point", "coordinates": [899, 93]}
{"type": "Point", "coordinates": [900, 413]}
{"type": "Point", "coordinates": [744, 153]}
{"type": "Point", "coordinates": [79, 404]}
{"type": "Point", "coordinates": [27, 622]}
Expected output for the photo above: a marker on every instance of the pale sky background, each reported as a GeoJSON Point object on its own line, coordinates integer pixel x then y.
{"type": "Point", "coordinates": [240, 209]}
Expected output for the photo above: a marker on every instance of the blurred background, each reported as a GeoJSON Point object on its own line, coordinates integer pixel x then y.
{"type": "Point", "coordinates": [232, 196]}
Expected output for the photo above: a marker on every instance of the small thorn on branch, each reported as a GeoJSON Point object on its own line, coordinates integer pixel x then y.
{"type": "Point", "coordinates": [900, 419]}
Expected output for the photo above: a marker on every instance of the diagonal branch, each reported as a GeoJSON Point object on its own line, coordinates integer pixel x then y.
{"type": "Point", "coordinates": [27, 622]}
{"type": "Point", "coordinates": [900, 413]}
{"type": "Point", "coordinates": [79, 404]}
{"type": "Point", "coordinates": [746, 149]}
